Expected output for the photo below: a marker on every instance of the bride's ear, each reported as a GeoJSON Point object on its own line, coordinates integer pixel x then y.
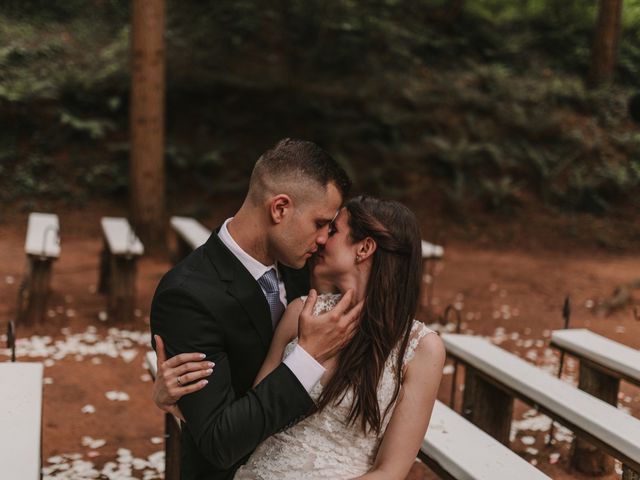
{"type": "Point", "coordinates": [365, 249]}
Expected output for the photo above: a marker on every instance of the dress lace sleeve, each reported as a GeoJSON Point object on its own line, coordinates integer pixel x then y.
{"type": "Point", "coordinates": [418, 331]}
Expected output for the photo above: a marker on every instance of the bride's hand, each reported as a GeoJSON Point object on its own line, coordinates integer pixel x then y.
{"type": "Point", "coordinates": [177, 377]}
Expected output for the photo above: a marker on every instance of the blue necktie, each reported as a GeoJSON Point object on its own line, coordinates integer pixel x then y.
{"type": "Point", "coordinates": [269, 283]}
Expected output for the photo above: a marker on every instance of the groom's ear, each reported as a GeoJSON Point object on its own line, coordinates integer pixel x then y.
{"type": "Point", "coordinates": [280, 207]}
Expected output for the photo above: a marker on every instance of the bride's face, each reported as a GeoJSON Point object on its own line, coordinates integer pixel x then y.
{"type": "Point", "coordinates": [337, 258]}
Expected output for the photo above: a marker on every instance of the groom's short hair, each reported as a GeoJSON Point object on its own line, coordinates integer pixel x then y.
{"type": "Point", "coordinates": [294, 167]}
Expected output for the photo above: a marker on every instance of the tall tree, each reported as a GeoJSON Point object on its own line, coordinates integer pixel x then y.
{"type": "Point", "coordinates": [604, 51]}
{"type": "Point", "coordinates": [147, 182]}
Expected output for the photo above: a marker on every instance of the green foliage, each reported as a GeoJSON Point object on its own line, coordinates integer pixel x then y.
{"type": "Point", "coordinates": [488, 102]}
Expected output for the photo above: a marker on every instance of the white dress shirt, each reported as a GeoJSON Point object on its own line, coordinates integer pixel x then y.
{"type": "Point", "coordinates": [306, 369]}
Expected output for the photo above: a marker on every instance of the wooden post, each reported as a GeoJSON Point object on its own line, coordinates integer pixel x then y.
{"type": "Point", "coordinates": [147, 186]}
{"type": "Point", "coordinates": [118, 281]}
{"type": "Point", "coordinates": [33, 295]}
{"type": "Point", "coordinates": [486, 406]}
{"type": "Point", "coordinates": [604, 51]}
{"type": "Point", "coordinates": [171, 447]}
{"type": "Point", "coordinates": [584, 456]}
{"type": "Point", "coordinates": [122, 287]}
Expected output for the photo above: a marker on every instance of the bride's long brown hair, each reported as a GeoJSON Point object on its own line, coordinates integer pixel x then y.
{"type": "Point", "coordinates": [389, 308]}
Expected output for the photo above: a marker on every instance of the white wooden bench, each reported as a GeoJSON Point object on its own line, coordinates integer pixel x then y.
{"type": "Point", "coordinates": [595, 352]}
{"type": "Point", "coordinates": [603, 363]}
{"type": "Point", "coordinates": [119, 256]}
{"type": "Point", "coordinates": [172, 430]}
{"type": "Point", "coordinates": [42, 246]}
{"type": "Point", "coordinates": [431, 251]}
{"type": "Point", "coordinates": [190, 235]}
{"type": "Point", "coordinates": [493, 377]}
{"type": "Point", "coordinates": [20, 420]}
{"type": "Point", "coordinates": [454, 448]}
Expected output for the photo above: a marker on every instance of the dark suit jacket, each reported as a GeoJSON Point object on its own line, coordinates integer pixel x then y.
{"type": "Point", "coordinates": [210, 303]}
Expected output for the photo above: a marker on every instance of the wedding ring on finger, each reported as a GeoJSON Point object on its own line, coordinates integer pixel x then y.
{"type": "Point", "coordinates": [179, 382]}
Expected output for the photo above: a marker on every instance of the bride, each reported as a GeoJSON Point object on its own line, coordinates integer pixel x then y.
{"type": "Point", "coordinates": [376, 396]}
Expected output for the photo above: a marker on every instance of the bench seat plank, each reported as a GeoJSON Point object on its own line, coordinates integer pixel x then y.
{"type": "Point", "coordinates": [20, 420]}
{"type": "Point", "coordinates": [611, 426]}
{"type": "Point", "coordinates": [42, 235]}
{"type": "Point", "coordinates": [120, 236]}
{"type": "Point", "coordinates": [431, 251]}
{"type": "Point", "coordinates": [466, 453]}
{"type": "Point", "coordinates": [600, 350]}
{"type": "Point", "coordinates": [191, 231]}
{"type": "Point", "coordinates": [152, 360]}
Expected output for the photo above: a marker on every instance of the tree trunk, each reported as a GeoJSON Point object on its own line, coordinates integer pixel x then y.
{"type": "Point", "coordinates": [604, 51]}
{"type": "Point", "coordinates": [147, 122]}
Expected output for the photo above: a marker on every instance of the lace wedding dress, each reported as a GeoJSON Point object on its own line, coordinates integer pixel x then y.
{"type": "Point", "coordinates": [323, 446]}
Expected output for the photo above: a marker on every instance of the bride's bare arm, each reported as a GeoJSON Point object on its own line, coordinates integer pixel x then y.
{"type": "Point", "coordinates": [286, 331]}
{"type": "Point", "coordinates": [410, 418]}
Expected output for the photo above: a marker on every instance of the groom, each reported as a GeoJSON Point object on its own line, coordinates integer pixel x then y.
{"type": "Point", "coordinates": [227, 296]}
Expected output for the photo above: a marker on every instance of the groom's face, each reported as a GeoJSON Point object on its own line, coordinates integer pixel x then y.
{"type": "Point", "coordinates": [308, 228]}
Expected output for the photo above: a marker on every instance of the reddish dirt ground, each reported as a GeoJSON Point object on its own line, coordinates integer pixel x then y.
{"type": "Point", "coordinates": [518, 288]}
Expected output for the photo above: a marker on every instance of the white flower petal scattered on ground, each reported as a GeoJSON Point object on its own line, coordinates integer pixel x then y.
{"type": "Point", "coordinates": [117, 343]}
{"type": "Point", "coordinates": [103, 316]}
{"type": "Point", "coordinates": [528, 440]}
{"type": "Point", "coordinates": [88, 409]}
{"type": "Point", "coordinates": [47, 380]}
{"type": "Point", "coordinates": [117, 396]}
{"type": "Point", "coordinates": [145, 377]}
{"type": "Point", "coordinates": [448, 370]}
{"type": "Point", "coordinates": [93, 443]}
{"type": "Point", "coordinates": [554, 457]}
{"type": "Point", "coordinates": [128, 355]}
{"type": "Point", "coordinates": [156, 440]}
{"type": "Point", "coordinates": [74, 467]}
{"type": "Point", "coordinates": [531, 451]}
{"type": "Point", "coordinates": [9, 279]}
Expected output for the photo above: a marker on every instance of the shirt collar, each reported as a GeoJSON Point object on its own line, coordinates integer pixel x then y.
{"type": "Point", "coordinates": [255, 268]}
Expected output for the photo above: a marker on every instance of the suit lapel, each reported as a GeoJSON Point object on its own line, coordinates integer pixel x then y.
{"type": "Point", "coordinates": [241, 286]}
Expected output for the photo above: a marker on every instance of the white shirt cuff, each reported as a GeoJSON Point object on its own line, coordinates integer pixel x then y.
{"type": "Point", "coordinates": [306, 369]}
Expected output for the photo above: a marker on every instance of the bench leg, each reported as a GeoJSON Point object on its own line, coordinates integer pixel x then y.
{"type": "Point", "coordinates": [105, 269]}
{"type": "Point", "coordinates": [122, 287]}
{"type": "Point", "coordinates": [486, 406]}
{"type": "Point", "coordinates": [427, 286]}
{"type": "Point", "coordinates": [584, 456]}
{"type": "Point", "coordinates": [628, 474]}
{"type": "Point", "coordinates": [171, 448]}
{"type": "Point", "coordinates": [33, 294]}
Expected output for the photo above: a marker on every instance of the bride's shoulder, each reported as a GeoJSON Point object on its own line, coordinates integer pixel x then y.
{"type": "Point", "coordinates": [425, 344]}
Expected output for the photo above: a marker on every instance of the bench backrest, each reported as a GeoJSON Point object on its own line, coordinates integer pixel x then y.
{"type": "Point", "coordinates": [20, 420]}
{"type": "Point", "coordinates": [431, 251]}
{"type": "Point", "coordinates": [601, 350]}
{"type": "Point", "coordinates": [609, 425]}
{"type": "Point", "coordinates": [466, 453]}
{"type": "Point", "coordinates": [120, 237]}
{"type": "Point", "coordinates": [43, 235]}
{"type": "Point", "coordinates": [190, 230]}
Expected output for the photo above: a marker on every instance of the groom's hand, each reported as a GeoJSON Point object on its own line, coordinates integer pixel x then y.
{"type": "Point", "coordinates": [323, 336]}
